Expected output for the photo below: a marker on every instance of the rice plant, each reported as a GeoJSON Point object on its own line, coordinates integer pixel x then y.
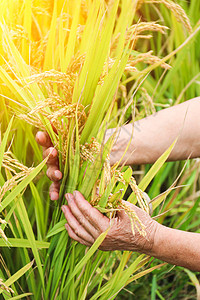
{"type": "Point", "coordinates": [64, 67]}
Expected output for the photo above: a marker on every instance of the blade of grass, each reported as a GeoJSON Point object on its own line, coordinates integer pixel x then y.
{"type": "Point", "coordinates": [72, 36]}
{"type": "Point", "coordinates": [30, 235]}
{"type": "Point", "coordinates": [27, 27]}
{"type": "Point", "coordinates": [88, 255]}
{"type": "Point", "coordinates": [17, 275]}
{"type": "Point", "coordinates": [23, 243]}
{"type": "Point", "coordinates": [49, 53]}
{"type": "Point", "coordinates": [21, 296]}
{"type": "Point", "coordinates": [155, 168]}
{"type": "Point", "coordinates": [22, 185]}
{"type": "Point", "coordinates": [4, 142]}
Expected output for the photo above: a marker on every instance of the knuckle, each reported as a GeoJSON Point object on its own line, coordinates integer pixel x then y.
{"type": "Point", "coordinates": [72, 236]}
{"type": "Point", "coordinates": [81, 219]}
{"type": "Point", "coordinates": [77, 231]}
{"type": "Point", "coordinates": [47, 173]}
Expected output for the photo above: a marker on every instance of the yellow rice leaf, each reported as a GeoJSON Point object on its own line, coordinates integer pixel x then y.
{"type": "Point", "coordinates": [21, 68]}
{"type": "Point", "coordinates": [2, 15]}
{"type": "Point", "coordinates": [91, 26]}
{"type": "Point", "coordinates": [95, 59]}
{"type": "Point", "coordinates": [50, 50]}
{"type": "Point", "coordinates": [27, 28]}
{"type": "Point", "coordinates": [61, 45]}
{"type": "Point", "coordinates": [72, 36]}
{"type": "Point", "coordinates": [143, 273]}
{"type": "Point", "coordinates": [15, 88]}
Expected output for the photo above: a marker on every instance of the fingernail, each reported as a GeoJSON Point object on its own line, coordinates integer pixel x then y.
{"type": "Point", "coordinates": [63, 208]}
{"type": "Point", "coordinates": [75, 193]}
{"type": "Point", "coordinates": [54, 196]}
{"type": "Point", "coordinates": [67, 196]}
{"type": "Point", "coordinates": [45, 138]}
{"type": "Point", "coordinates": [37, 135]}
{"type": "Point", "coordinates": [58, 174]}
{"type": "Point", "coordinates": [52, 153]}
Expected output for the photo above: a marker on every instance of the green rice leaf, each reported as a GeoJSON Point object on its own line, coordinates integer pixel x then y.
{"type": "Point", "coordinates": [88, 255]}
{"type": "Point", "coordinates": [21, 296]}
{"type": "Point", "coordinates": [4, 141]}
{"type": "Point", "coordinates": [74, 161]}
{"type": "Point", "coordinates": [22, 185]}
{"type": "Point", "coordinates": [30, 235]}
{"type": "Point", "coordinates": [60, 226]}
{"type": "Point", "coordinates": [22, 243]}
{"type": "Point", "coordinates": [17, 275]}
{"type": "Point", "coordinates": [155, 168]}
{"type": "Point", "coordinates": [194, 280]}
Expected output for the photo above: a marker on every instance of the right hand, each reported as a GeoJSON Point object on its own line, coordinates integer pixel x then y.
{"type": "Point", "coordinates": [85, 223]}
{"type": "Point", "coordinates": [53, 171]}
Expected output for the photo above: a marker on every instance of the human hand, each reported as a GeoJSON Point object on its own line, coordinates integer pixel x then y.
{"type": "Point", "coordinates": [121, 141]}
{"type": "Point", "coordinates": [53, 171]}
{"type": "Point", "coordinates": [85, 223]}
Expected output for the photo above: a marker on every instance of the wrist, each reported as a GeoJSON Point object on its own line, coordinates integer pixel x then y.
{"type": "Point", "coordinates": [151, 238]}
{"type": "Point", "coordinates": [158, 238]}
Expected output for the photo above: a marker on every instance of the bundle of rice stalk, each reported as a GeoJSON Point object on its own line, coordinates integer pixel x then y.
{"type": "Point", "coordinates": [61, 68]}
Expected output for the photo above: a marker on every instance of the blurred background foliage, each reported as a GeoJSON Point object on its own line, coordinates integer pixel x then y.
{"type": "Point", "coordinates": [162, 88]}
{"type": "Point", "coordinates": [180, 83]}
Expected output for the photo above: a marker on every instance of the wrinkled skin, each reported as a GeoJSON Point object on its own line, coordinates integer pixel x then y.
{"type": "Point", "coordinates": [85, 223]}
{"type": "Point", "coordinates": [152, 136]}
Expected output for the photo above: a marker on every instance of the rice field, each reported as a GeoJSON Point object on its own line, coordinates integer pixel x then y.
{"type": "Point", "coordinates": [74, 69]}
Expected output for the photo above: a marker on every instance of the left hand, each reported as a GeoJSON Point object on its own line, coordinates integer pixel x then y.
{"type": "Point", "coordinates": [85, 223]}
{"type": "Point", "coordinates": [53, 171]}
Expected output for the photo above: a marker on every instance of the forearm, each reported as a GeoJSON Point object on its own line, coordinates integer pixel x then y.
{"type": "Point", "coordinates": [151, 136]}
{"type": "Point", "coordinates": [177, 247]}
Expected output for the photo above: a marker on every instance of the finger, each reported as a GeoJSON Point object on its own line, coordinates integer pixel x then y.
{"type": "Point", "coordinates": [54, 191]}
{"type": "Point", "coordinates": [75, 237]}
{"type": "Point", "coordinates": [53, 173]}
{"type": "Point", "coordinates": [97, 219]}
{"type": "Point", "coordinates": [76, 226]}
{"type": "Point", "coordinates": [53, 155]}
{"type": "Point", "coordinates": [43, 139]}
{"type": "Point", "coordinates": [82, 219]}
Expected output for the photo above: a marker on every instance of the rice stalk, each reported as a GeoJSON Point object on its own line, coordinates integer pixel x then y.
{"type": "Point", "coordinates": [70, 88]}
{"type": "Point", "coordinates": [177, 10]}
{"type": "Point", "coordinates": [4, 287]}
